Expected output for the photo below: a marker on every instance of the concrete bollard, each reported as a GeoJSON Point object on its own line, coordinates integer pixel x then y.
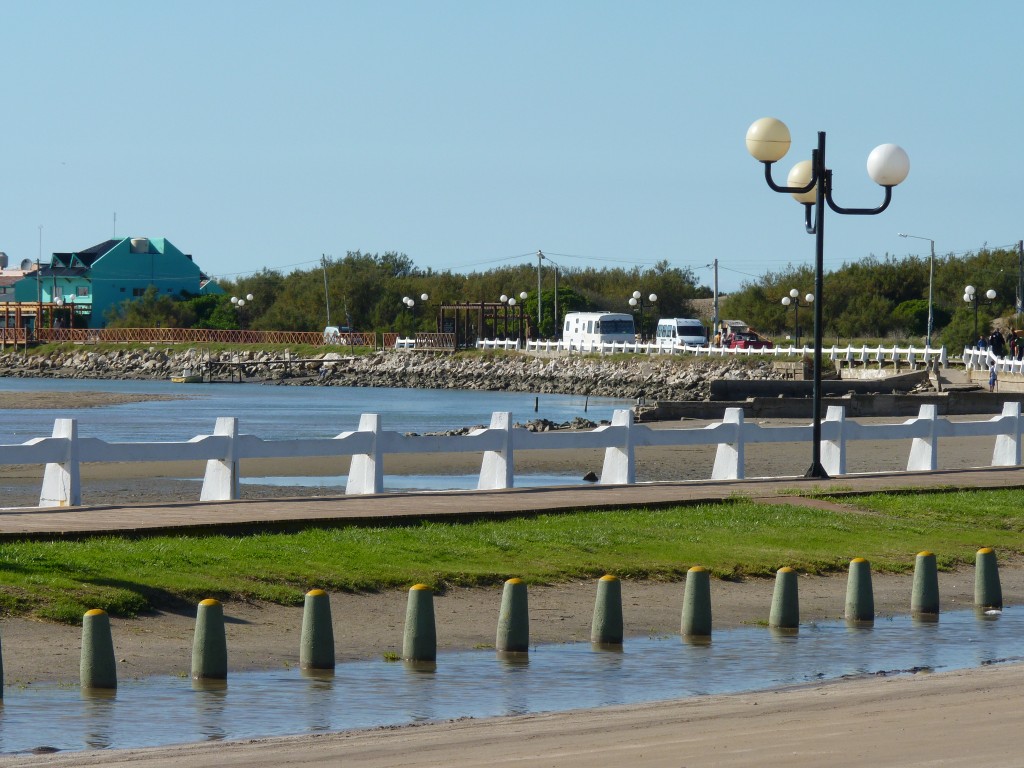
{"type": "Point", "coordinates": [209, 646]}
{"type": "Point", "coordinates": [513, 619]}
{"type": "Point", "coordinates": [1, 671]}
{"type": "Point", "coordinates": [98, 668]}
{"type": "Point", "coordinates": [785, 611]}
{"type": "Point", "coordinates": [696, 620]}
{"type": "Point", "coordinates": [607, 624]}
{"type": "Point", "coordinates": [419, 642]}
{"type": "Point", "coordinates": [316, 644]}
{"type": "Point", "coordinates": [924, 600]}
{"type": "Point", "coordinates": [860, 595]}
{"type": "Point", "coordinates": [988, 592]}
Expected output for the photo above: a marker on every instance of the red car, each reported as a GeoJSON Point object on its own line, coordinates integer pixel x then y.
{"type": "Point", "coordinates": [748, 341]}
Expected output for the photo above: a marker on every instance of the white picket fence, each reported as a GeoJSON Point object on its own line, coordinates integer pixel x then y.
{"type": "Point", "coordinates": [65, 450]}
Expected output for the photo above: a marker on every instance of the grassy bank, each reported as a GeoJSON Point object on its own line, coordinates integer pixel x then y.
{"type": "Point", "coordinates": [60, 580]}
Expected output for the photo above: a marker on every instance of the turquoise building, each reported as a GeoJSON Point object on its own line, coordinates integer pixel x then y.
{"type": "Point", "coordinates": [107, 274]}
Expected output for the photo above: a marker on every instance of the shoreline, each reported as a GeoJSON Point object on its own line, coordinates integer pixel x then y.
{"type": "Point", "coordinates": [265, 636]}
{"type": "Point", "coordinates": [886, 719]}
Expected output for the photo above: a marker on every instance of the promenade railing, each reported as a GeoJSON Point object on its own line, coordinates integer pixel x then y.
{"type": "Point", "coordinates": [200, 336]}
{"type": "Point", "coordinates": [984, 359]}
{"type": "Point", "coordinates": [863, 355]}
{"type": "Point", "coordinates": [64, 452]}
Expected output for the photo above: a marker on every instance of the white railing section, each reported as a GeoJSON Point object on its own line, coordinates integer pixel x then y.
{"type": "Point", "coordinates": [984, 359]}
{"type": "Point", "coordinates": [63, 452]}
{"type": "Point", "coordinates": [506, 344]}
{"type": "Point", "coordinates": [864, 355]}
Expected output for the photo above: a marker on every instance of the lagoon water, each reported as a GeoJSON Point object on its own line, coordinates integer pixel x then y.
{"type": "Point", "coordinates": [275, 412]}
{"type": "Point", "coordinates": [373, 693]}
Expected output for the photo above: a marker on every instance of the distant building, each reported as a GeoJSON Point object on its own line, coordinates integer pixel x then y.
{"type": "Point", "coordinates": [107, 274]}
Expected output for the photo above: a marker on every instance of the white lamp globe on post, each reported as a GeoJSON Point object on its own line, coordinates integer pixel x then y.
{"type": "Point", "coordinates": [810, 183]}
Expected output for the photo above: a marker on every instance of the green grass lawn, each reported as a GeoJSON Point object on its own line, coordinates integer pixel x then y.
{"type": "Point", "coordinates": [60, 580]}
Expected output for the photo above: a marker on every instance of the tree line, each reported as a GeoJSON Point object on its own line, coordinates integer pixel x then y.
{"type": "Point", "coordinates": [878, 298]}
{"type": "Point", "coordinates": [887, 298]}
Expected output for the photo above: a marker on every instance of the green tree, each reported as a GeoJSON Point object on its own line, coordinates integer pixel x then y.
{"type": "Point", "coordinates": [151, 310]}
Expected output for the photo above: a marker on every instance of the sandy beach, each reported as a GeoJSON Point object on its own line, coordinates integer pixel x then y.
{"type": "Point", "coordinates": [959, 718]}
{"type": "Point", "coordinates": [955, 718]}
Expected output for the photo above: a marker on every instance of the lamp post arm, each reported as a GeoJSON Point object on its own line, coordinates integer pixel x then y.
{"type": "Point", "coordinates": [809, 223]}
{"type": "Point", "coordinates": [854, 211]}
{"type": "Point", "coordinates": [790, 190]}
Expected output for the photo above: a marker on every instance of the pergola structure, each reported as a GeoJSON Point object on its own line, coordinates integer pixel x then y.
{"type": "Point", "coordinates": [473, 321]}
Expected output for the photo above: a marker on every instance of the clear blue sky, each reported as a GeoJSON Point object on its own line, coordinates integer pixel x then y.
{"type": "Point", "coordinates": [470, 134]}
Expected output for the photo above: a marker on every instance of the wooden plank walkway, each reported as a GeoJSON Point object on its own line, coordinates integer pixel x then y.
{"type": "Point", "coordinates": [285, 514]}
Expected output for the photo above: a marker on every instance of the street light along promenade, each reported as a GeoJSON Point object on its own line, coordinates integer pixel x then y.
{"type": "Point", "coordinates": [810, 183]}
{"type": "Point", "coordinates": [794, 299]}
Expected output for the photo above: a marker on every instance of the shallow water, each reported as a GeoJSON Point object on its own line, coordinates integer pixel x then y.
{"type": "Point", "coordinates": [277, 412]}
{"type": "Point", "coordinates": [168, 710]}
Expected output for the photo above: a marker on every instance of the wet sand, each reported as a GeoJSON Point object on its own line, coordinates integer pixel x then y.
{"type": "Point", "coordinates": [961, 718]}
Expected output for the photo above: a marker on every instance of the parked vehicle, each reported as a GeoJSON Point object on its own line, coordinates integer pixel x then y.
{"type": "Point", "coordinates": [681, 330]}
{"type": "Point", "coordinates": [336, 336]}
{"type": "Point", "coordinates": [749, 340]}
{"type": "Point", "coordinates": [585, 329]}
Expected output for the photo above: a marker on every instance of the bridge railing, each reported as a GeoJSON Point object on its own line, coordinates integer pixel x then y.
{"type": "Point", "coordinates": [64, 451]}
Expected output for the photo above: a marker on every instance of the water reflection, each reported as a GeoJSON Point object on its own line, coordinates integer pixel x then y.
{"type": "Point", "coordinates": [210, 705]}
{"type": "Point", "coordinates": [98, 716]}
{"type": "Point", "coordinates": [158, 711]}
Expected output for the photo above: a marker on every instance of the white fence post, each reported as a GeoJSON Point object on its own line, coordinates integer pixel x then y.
{"type": "Point", "coordinates": [366, 470]}
{"type": "Point", "coordinates": [833, 452]}
{"type": "Point", "coordinates": [619, 461]}
{"type": "Point", "coordinates": [1007, 450]}
{"type": "Point", "coordinates": [729, 458]}
{"type": "Point", "coordinates": [924, 454]}
{"type": "Point", "coordinates": [221, 480]}
{"type": "Point", "coordinates": [498, 467]}
{"type": "Point", "coordinates": [62, 485]}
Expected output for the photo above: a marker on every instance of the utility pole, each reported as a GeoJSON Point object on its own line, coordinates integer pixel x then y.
{"type": "Point", "coordinates": [715, 321]}
{"type": "Point", "coordinates": [540, 258]}
{"type": "Point", "coordinates": [556, 302]}
{"type": "Point", "coordinates": [1020, 278]}
{"type": "Point", "coordinates": [327, 296]}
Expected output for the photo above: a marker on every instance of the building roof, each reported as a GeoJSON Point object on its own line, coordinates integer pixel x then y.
{"type": "Point", "coordinates": [86, 257]}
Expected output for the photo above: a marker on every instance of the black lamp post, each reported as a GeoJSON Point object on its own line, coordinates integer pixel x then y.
{"type": "Point", "coordinates": [971, 297]}
{"type": "Point", "coordinates": [810, 183]}
{"type": "Point", "coordinates": [636, 301]}
{"type": "Point", "coordinates": [794, 300]}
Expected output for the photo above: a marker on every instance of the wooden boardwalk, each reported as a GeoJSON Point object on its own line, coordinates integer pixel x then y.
{"type": "Point", "coordinates": [383, 509]}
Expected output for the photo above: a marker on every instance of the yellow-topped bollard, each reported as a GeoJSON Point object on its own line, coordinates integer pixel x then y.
{"type": "Point", "coordinates": [988, 592]}
{"type": "Point", "coordinates": [316, 643]}
{"type": "Point", "coordinates": [98, 668]}
{"type": "Point", "coordinates": [607, 628]}
{"type": "Point", "coordinates": [209, 645]}
{"type": "Point", "coordinates": [785, 611]}
{"type": "Point", "coordinates": [419, 642]}
{"type": "Point", "coordinates": [924, 600]}
{"type": "Point", "coordinates": [860, 596]}
{"type": "Point", "coordinates": [696, 619]}
{"type": "Point", "coordinates": [513, 619]}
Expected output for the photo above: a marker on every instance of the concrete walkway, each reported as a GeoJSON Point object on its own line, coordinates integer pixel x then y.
{"type": "Point", "coordinates": [285, 514]}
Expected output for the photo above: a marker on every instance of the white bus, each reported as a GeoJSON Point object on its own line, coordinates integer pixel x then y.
{"type": "Point", "coordinates": [587, 330]}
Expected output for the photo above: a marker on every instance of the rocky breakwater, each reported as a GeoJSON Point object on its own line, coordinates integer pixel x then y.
{"type": "Point", "coordinates": [653, 378]}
